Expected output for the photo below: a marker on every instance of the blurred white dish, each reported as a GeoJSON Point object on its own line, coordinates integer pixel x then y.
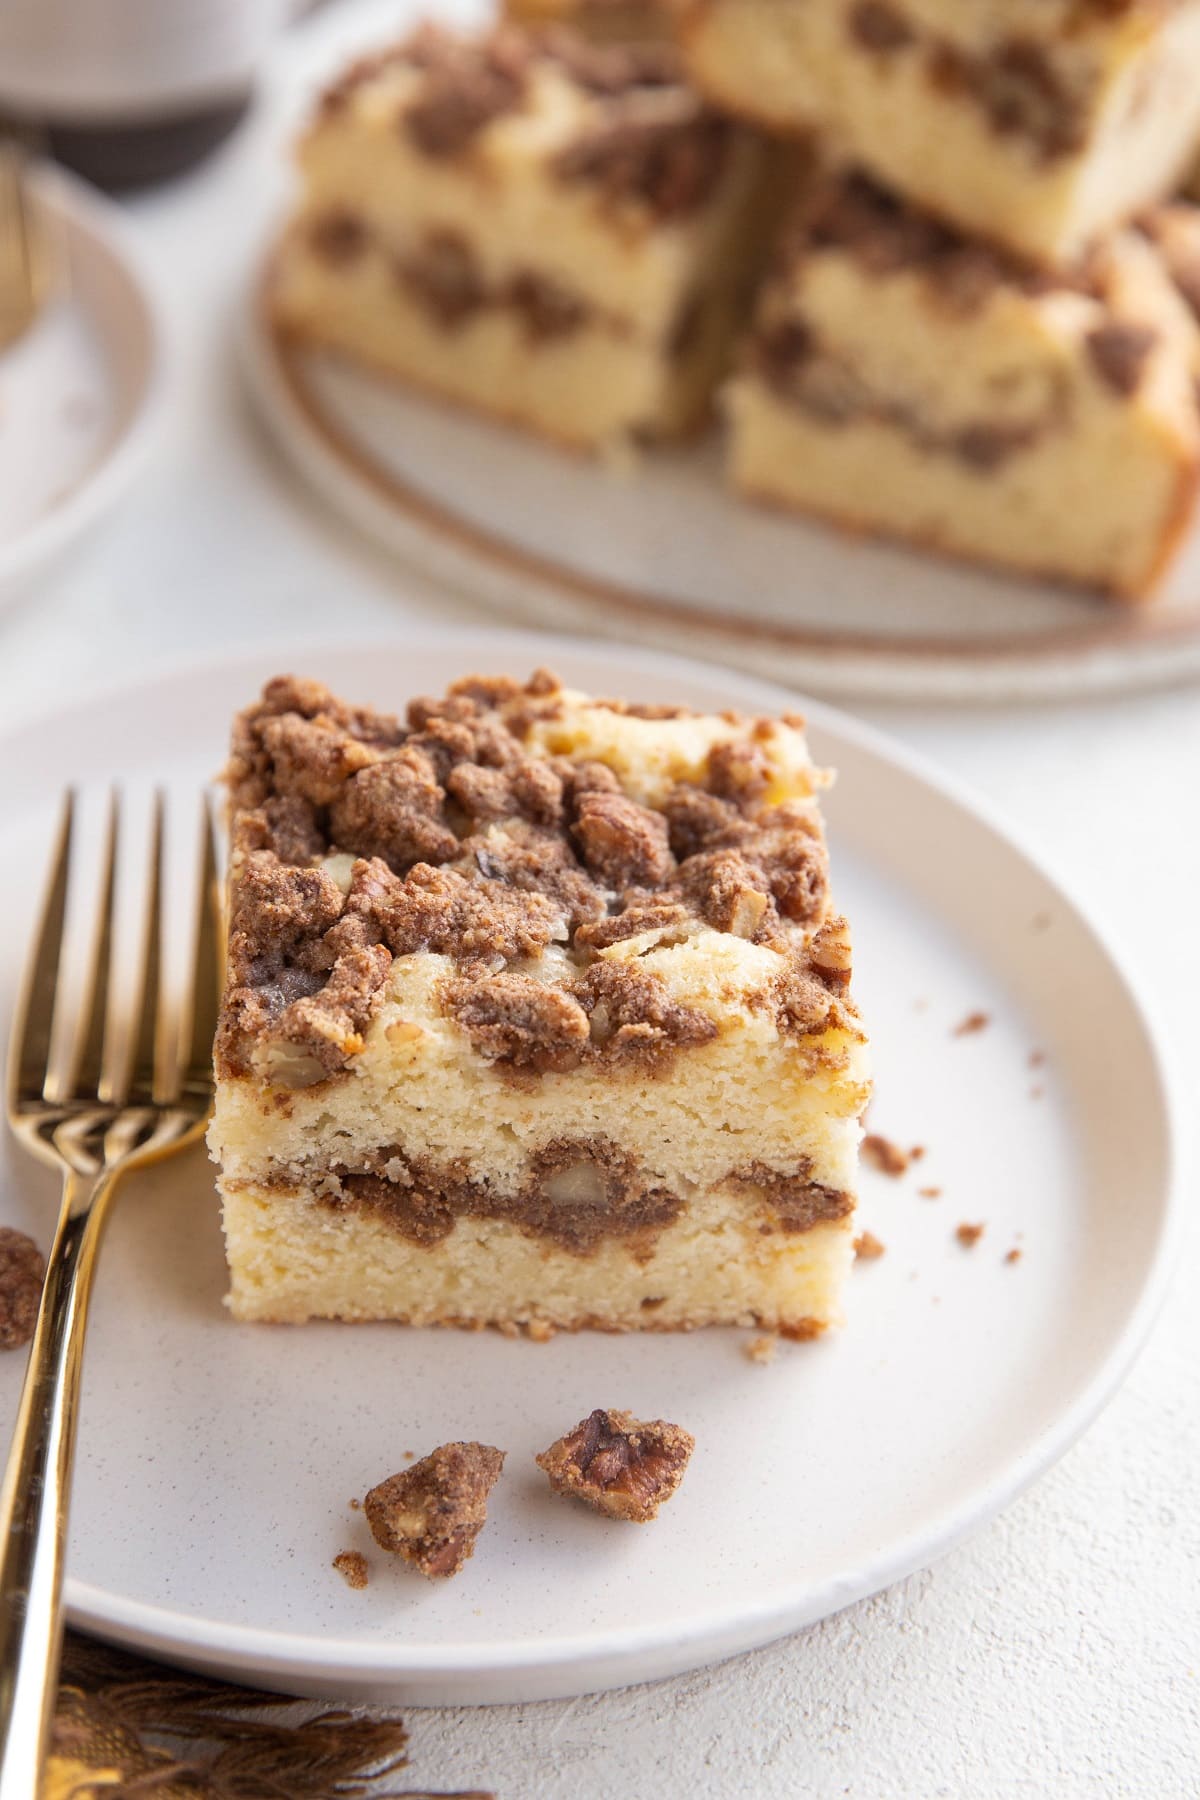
{"type": "Point", "coordinates": [216, 1461]}
{"type": "Point", "coordinates": [78, 391]}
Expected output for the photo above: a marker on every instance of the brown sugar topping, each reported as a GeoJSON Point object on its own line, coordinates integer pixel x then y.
{"type": "Point", "coordinates": [351, 1565]}
{"type": "Point", "coordinates": [467, 83]}
{"type": "Point", "coordinates": [432, 1513]}
{"type": "Point", "coordinates": [22, 1272]}
{"type": "Point", "coordinates": [358, 839]}
{"type": "Point", "coordinates": [619, 1465]}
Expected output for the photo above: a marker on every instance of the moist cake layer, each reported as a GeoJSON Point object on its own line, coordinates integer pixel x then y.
{"type": "Point", "coordinates": [528, 982]}
{"type": "Point", "coordinates": [902, 378]}
{"type": "Point", "coordinates": [1040, 123]}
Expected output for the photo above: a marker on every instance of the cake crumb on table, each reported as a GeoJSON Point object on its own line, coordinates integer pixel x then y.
{"type": "Point", "coordinates": [930, 1193]}
{"type": "Point", "coordinates": [432, 1513]}
{"type": "Point", "coordinates": [1014, 1255]}
{"type": "Point", "coordinates": [762, 1349]}
{"type": "Point", "coordinates": [884, 1155]}
{"type": "Point", "coordinates": [916, 1153]}
{"type": "Point", "coordinates": [968, 1235]}
{"type": "Point", "coordinates": [22, 1272]}
{"type": "Point", "coordinates": [355, 1505]}
{"type": "Point", "coordinates": [351, 1565]}
{"type": "Point", "coordinates": [1036, 1058]}
{"type": "Point", "coordinates": [620, 1465]}
{"type": "Point", "coordinates": [975, 1021]}
{"type": "Point", "coordinates": [868, 1248]}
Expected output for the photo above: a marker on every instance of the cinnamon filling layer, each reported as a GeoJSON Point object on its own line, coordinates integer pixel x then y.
{"type": "Point", "coordinates": [578, 1193]}
{"type": "Point", "coordinates": [829, 390]}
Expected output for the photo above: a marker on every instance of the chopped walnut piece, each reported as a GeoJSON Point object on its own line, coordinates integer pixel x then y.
{"type": "Point", "coordinates": [868, 1248]}
{"type": "Point", "coordinates": [884, 1155]}
{"type": "Point", "coordinates": [968, 1235]}
{"type": "Point", "coordinates": [22, 1272]}
{"type": "Point", "coordinates": [620, 1465]}
{"type": "Point", "coordinates": [623, 843]}
{"type": "Point", "coordinates": [351, 1565]}
{"type": "Point", "coordinates": [432, 1513]}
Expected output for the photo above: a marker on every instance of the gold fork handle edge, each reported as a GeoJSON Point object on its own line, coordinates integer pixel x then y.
{"type": "Point", "coordinates": [35, 1495]}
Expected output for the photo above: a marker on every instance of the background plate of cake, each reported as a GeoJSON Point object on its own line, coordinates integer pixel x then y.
{"type": "Point", "coordinates": [621, 329]}
{"type": "Point", "coordinates": [1018, 1178]}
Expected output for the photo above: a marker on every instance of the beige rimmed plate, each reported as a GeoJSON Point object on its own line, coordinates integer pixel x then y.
{"type": "Point", "coordinates": [217, 1461]}
{"type": "Point", "coordinates": [79, 391]}
{"type": "Point", "coordinates": [663, 554]}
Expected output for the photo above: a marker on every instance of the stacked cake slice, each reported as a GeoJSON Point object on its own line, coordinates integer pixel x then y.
{"type": "Point", "coordinates": [1039, 123]}
{"type": "Point", "coordinates": [901, 378]}
{"type": "Point", "coordinates": [538, 1015]}
{"type": "Point", "coordinates": [553, 231]}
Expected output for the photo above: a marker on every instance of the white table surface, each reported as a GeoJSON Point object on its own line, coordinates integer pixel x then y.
{"type": "Point", "coordinates": [1058, 1653]}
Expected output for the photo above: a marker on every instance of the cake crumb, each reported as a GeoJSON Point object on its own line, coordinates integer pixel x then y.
{"type": "Point", "coordinates": [1036, 1058]}
{"type": "Point", "coordinates": [508, 1328]}
{"type": "Point", "coordinates": [351, 1565]}
{"type": "Point", "coordinates": [976, 1021]}
{"type": "Point", "coordinates": [540, 1331]}
{"type": "Point", "coordinates": [432, 1513]}
{"type": "Point", "coordinates": [930, 1193]}
{"type": "Point", "coordinates": [355, 1505]}
{"type": "Point", "coordinates": [762, 1349]}
{"type": "Point", "coordinates": [22, 1272]}
{"type": "Point", "coordinates": [619, 1465]}
{"type": "Point", "coordinates": [884, 1155]}
{"type": "Point", "coordinates": [1014, 1255]}
{"type": "Point", "coordinates": [868, 1248]}
{"type": "Point", "coordinates": [968, 1235]}
{"type": "Point", "coordinates": [916, 1153]}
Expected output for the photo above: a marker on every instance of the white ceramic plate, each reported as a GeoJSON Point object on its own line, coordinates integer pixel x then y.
{"type": "Point", "coordinates": [77, 392]}
{"type": "Point", "coordinates": [216, 1461]}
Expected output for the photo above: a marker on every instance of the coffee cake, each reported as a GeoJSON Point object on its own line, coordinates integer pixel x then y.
{"type": "Point", "coordinates": [559, 233]}
{"type": "Point", "coordinates": [537, 1015]}
{"type": "Point", "coordinates": [1042, 123]}
{"type": "Point", "coordinates": [905, 380]}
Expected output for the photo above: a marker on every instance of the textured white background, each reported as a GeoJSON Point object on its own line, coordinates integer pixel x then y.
{"type": "Point", "coordinates": [1059, 1652]}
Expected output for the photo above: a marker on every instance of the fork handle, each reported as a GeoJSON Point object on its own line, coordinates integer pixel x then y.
{"type": "Point", "coordinates": [36, 1491]}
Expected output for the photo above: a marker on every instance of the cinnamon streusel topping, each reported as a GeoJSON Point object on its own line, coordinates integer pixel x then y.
{"type": "Point", "coordinates": [358, 839]}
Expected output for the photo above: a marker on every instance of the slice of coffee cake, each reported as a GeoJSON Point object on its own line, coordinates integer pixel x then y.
{"type": "Point", "coordinates": [905, 380]}
{"type": "Point", "coordinates": [1041, 123]}
{"type": "Point", "coordinates": [559, 233]}
{"type": "Point", "coordinates": [537, 1015]}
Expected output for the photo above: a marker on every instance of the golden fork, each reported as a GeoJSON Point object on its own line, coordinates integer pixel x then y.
{"type": "Point", "coordinates": [110, 1068]}
{"type": "Point", "coordinates": [26, 262]}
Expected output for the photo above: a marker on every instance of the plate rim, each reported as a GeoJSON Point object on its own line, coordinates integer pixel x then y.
{"type": "Point", "coordinates": [344, 473]}
{"type": "Point", "coordinates": [215, 1645]}
{"type": "Point", "coordinates": [98, 225]}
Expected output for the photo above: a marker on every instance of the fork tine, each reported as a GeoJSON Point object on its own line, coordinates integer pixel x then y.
{"type": "Point", "coordinates": [142, 1080]}
{"type": "Point", "coordinates": [199, 1022]}
{"type": "Point", "coordinates": [33, 1024]}
{"type": "Point", "coordinates": [96, 996]}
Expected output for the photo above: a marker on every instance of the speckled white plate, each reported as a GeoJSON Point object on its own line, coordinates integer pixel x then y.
{"type": "Point", "coordinates": [217, 1461]}
{"type": "Point", "coordinates": [78, 391]}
